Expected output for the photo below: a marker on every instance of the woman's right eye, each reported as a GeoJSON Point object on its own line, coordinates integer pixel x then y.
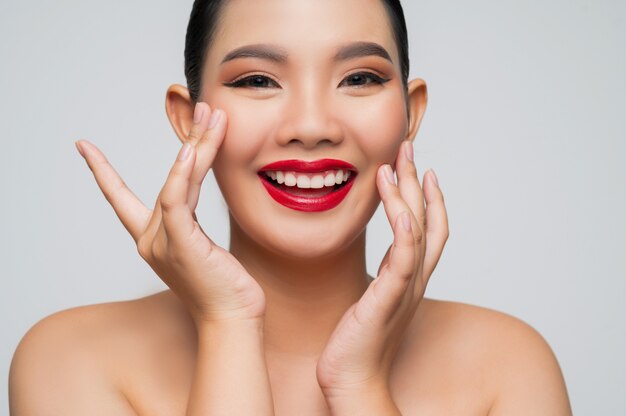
{"type": "Point", "coordinates": [253, 81]}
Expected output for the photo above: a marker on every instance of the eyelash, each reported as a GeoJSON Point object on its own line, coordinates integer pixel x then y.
{"type": "Point", "coordinates": [243, 82]}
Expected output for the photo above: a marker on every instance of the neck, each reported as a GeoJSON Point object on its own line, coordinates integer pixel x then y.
{"type": "Point", "coordinates": [305, 297]}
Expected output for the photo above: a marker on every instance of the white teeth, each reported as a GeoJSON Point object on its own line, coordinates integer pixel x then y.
{"type": "Point", "coordinates": [303, 182]}
{"type": "Point", "coordinates": [329, 180]}
{"type": "Point", "coordinates": [290, 179]}
{"type": "Point", "coordinates": [317, 182]}
{"type": "Point", "coordinates": [339, 177]}
{"type": "Point", "coordinates": [308, 180]}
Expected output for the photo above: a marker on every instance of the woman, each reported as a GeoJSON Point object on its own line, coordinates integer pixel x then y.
{"type": "Point", "coordinates": [302, 133]}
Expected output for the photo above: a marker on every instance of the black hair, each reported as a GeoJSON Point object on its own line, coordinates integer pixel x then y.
{"type": "Point", "coordinates": [205, 15]}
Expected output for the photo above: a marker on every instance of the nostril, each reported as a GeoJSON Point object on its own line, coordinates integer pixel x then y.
{"type": "Point", "coordinates": [312, 143]}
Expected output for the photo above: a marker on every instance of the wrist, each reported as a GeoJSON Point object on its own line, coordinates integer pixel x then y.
{"type": "Point", "coordinates": [374, 399]}
{"type": "Point", "coordinates": [231, 376]}
{"type": "Point", "coordinates": [228, 326]}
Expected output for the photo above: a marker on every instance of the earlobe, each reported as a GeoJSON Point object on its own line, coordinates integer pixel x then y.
{"type": "Point", "coordinates": [417, 100]}
{"type": "Point", "coordinates": [179, 109]}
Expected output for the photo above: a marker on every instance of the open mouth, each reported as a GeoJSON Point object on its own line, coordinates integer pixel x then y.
{"type": "Point", "coordinates": [306, 184]}
{"type": "Point", "coordinates": [309, 186]}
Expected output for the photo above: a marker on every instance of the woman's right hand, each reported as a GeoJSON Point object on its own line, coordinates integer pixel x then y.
{"type": "Point", "coordinates": [212, 284]}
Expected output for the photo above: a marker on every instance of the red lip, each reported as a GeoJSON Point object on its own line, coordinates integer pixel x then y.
{"type": "Point", "coordinates": [303, 203]}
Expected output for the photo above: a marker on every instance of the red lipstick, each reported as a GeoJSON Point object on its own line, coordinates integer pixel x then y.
{"type": "Point", "coordinates": [316, 202]}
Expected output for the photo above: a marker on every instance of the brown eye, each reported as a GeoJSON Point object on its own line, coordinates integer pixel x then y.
{"type": "Point", "coordinates": [255, 82]}
{"type": "Point", "coordinates": [361, 79]}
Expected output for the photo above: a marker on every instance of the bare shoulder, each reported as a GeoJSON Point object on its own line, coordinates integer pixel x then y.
{"type": "Point", "coordinates": [67, 362]}
{"type": "Point", "coordinates": [515, 364]}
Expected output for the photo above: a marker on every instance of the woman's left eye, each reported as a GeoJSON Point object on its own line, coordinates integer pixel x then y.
{"type": "Point", "coordinates": [362, 79]}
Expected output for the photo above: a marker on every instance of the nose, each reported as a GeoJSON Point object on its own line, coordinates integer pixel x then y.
{"type": "Point", "coordinates": [309, 120]}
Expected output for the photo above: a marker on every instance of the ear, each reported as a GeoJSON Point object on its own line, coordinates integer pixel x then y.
{"type": "Point", "coordinates": [417, 99]}
{"type": "Point", "coordinates": [179, 109]}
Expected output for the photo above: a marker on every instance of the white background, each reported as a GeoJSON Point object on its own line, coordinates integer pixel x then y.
{"type": "Point", "coordinates": [525, 128]}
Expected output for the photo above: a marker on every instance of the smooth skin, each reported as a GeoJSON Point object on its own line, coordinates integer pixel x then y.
{"type": "Point", "coordinates": [268, 327]}
{"type": "Point", "coordinates": [355, 365]}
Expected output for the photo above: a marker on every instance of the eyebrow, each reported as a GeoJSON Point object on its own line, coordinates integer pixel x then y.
{"type": "Point", "coordinates": [361, 49]}
{"type": "Point", "coordinates": [279, 55]}
{"type": "Point", "coordinates": [268, 52]}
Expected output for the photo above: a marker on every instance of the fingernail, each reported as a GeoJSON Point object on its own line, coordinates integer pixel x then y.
{"type": "Point", "coordinates": [215, 118]}
{"type": "Point", "coordinates": [406, 221]}
{"type": "Point", "coordinates": [80, 149]}
{"type": "Point", "coordinates": [184, 152]}
{"type": "Point", "coordinates": [389, 174]}
{"type": "Point", "coordinates": [408, 150]}
{"type": "Point", "coordinates": [434, 178]}
{"type": "Point", "coordinates": [198, 113]}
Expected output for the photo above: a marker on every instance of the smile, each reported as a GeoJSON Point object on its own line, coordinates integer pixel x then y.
{"type": "Point", "coordinates": [308, 186]}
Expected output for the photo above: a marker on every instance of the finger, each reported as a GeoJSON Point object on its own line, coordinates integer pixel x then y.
{"type": "Point", "coordinates": [129, 209]}
{"type": "Point", "coordinates": [393, 202]}
{"type": "Point", "coordinates": [396, 280]}
{"type": "Point", "coordinates": [206, 150]}
{"type": "Point", "coordinates": [437, 230]}
{"type": "Point", "coordinates": [201, 117]}
{"type": "Point", "coordinates": [408, 182]}
{"type": "Point", "coordinates": [201, 114]}
{"type": "Point", "coordinates": [177, 218]}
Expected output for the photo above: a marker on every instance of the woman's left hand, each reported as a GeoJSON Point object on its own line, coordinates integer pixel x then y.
{"type": "Point", "coordinates": [357, 359]}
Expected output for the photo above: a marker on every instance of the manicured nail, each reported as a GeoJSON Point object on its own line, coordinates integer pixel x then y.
{"type": "Point", "coordinates": [198, 113]}
{"type": "Point", "coordinates": [434, 178]}
{"type": "Point", "coordinates": [215, 118]}
{"type": "Point", "coordinates": [389, 174]}
{"type": "Point", "coordinates": [184, 152]}
{"type": "Point", "coordinates": [408, 150]}
{"type": "Point", "coordinates": [406, 221]}
{"type": "Point", "coordinates": [80, 148]}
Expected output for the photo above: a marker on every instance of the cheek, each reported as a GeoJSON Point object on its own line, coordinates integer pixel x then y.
{"type": "Point", "coordinates": [249, 125]}
{"type": "Point", "coordinates": [380, 126]}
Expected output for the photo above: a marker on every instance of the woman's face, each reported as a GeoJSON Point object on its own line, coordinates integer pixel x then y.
{"type": "Point", "coordinates": [306, 87]}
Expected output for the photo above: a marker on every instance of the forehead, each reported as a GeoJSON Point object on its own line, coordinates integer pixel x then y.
{"type": "Point", "coordinates": [302, 27]}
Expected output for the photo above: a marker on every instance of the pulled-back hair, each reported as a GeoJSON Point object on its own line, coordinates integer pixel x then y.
{"type": "Point", "coordinates": [205, 16]}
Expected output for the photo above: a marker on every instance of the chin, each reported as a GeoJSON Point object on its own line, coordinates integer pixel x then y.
{"type": "Point", "coordinates": [302, 236]}
{"type": "Point", "coordinates": [295, 234]}
{"type": "Point", "coordinates": [317, 246]}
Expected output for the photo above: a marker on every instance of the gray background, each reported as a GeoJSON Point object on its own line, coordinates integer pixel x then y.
{"type": "Point", "coordinates": [525, 128]}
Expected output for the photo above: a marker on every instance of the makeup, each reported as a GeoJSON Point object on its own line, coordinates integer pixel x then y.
{"type": "Point", "coordinates": [308, 186]}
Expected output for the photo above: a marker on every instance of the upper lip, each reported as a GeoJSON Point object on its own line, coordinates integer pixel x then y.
{"type": "Point", "coordinates": [303, 166]}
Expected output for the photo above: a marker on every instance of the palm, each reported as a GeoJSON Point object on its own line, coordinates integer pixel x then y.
{"type": "Point", "coordinates": [207, 278]}
{"type": "Point", "coordinates": [365, 341]}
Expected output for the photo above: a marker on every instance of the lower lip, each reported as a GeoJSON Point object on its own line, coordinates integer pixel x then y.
{"type": "Point", "coordinates": [305, 204]}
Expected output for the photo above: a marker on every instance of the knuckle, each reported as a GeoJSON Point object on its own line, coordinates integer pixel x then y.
{"type": "Point", "coordinates": [421, 219]}
{"type": "Point", "coordinates": [406, 276]}
{"type": "Point", "coordinates": [418, 237]}
{"type": "Point", "coordinates": [194, 135]}
{"type": "Point", "coordinates": [100, 165]}
{"type": "Point", "coordinates": [166, 206]}
{"type": "Point", "coordinates": [156, 250]}
{"type": "Point", "coordinates": [411, 169]}
{"type": "Point", "coordinates": [167, 202]}
{"type": "Point", "coordinates": [143, 248]}
{"type": "Point", "coordinates": [176, 254]}
{"type": "Point", "coordinates": [209, 252]}
{"type": "Point", "coordinates": [114, 194]}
